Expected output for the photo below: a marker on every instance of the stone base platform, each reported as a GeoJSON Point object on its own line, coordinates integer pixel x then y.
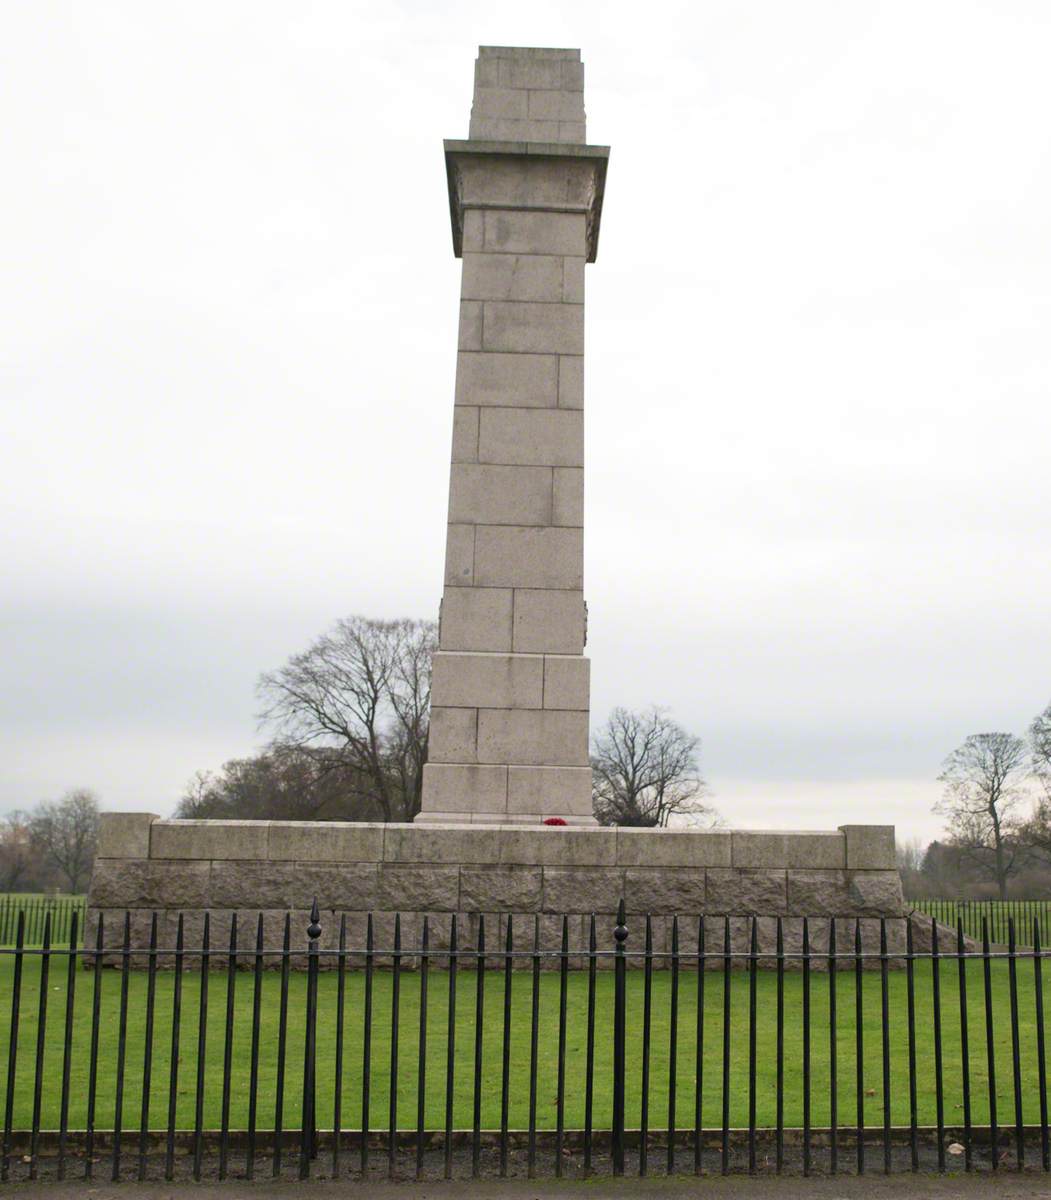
{"type": "Point", "coordinates": [148, 865]}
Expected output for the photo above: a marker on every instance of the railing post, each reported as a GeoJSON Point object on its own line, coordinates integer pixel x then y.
{"type": "Point", "coordinates": [308, 1133]}
{"type": "Point", "coordinates": [620, 935]}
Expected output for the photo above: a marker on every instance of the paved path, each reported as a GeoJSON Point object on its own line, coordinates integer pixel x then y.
{"type": "Point", "coordinates": [896, 1187]}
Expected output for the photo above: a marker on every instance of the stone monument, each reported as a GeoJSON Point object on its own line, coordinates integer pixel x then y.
{"type": "Point", "coordinates": [509, 727]}
{"type": "Point", "coordinates": [510, 698]}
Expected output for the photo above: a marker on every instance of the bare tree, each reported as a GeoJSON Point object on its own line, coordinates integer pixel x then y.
{"type": "Point", "coordinates": [984, 786]}
{"type": "Point", "coordinates": [286, 783]}
{"type": "Point", "coordinates": [910, 855]}
{"type": "Point", "coordinates": [1040, 750]}
{"type": "Point", "coordinates": [15, 850]}
{"type": "Point", "coordinates": [644, 770]}
{"type": "Point", "coordinates": [65, 832]}
{"type": "Point", "coordinates": [360, 693]}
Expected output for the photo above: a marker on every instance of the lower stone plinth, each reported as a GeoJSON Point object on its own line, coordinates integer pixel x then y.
{"type": "Point", "coordinates": [535, 876]}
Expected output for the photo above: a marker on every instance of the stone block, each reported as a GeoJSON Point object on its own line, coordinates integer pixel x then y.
{"type": "Point", "coordinates": [567, 682]}
{"type": "Point", "coordinates": [537, 277]}
{"type": "Point", "coordinates": [500, 888]}
{"type": "Point", "coordinates": [528, 557]}
{"type": "Point", "coordinates": [528, 328]}
{"type": "Point", "coordinates": [473, 230]}
{"type": "Point", "coordinates": [673, 848]}
{"type": "Point", "coordinates": [486, 73]}
{"type": "Point", "coordinates": [567, 500]}
{"type": "Point", "coordinates": [459, 555]}
{"type": "Point", "coordinates": [870, 847]}
{"type": "Point", "coordinates": [118, 882]}
{"type": "Point", "coordinates": [521, 232]}
{"type": "Point", "coordinates": [178, 884]}
{"type": "Point", "coordinates": [573, 279]}
{"type": "Point", "coordinates": [548, 621]}
{"type": "Point", "coordinates": [876, 893]}
{"type": "Point", "coordinates": [476, 619]}
{"type": "Point", "coordinates": [784, 850]}
{"type": "Point", "coordinates": [531, 437]}
{"type": "Point", "coordinates": [470, 337]}
{"type": "Point", "coordinates": [738, 892]}
{"type": "Point", "coordinates": [844, 893]}
{"type": "Point", "coordinates": [573, 76]}
{"type": "Point", "coordinates": [519, 182]}
{"type": "Point", "coordinates": [500, 129]}
{"type": "Point", "coordinates": [479, 680]}
{"type": "Point", "coordinates": [453, 735]}
{"type": "Point", "coordinates": [453, 844]}
{"type": "Point", "coordinates": [549, 791]}
{"type": "Point", "coordinates": [451, 787]}
{"type": "Point", "coordinates": [419, 886]}
{"type": "Point", "coordinates": [325, 841]}
{"type": "Point", "coordinates": [658, 890]}
{"type": "Point", "coordinates": [465, 434]}
{"type": "Point", "coordinates": [209, 839]}
{"type": "Point", "coordinates": [125, 835]}
{"type": "Point", "coordinates": [582, 889]}
{"type": "Point", "coordinates": [555, 105]}
{"type": "Point", "coordinates": [521, 380]}
{"type": "Point", "coordinates": [572, 132]}
{"type": "Point", "coordinates": [531, 737]}
{"type": "Point", "coordinates": [484, 494]}
{"type": "Point", "coordinates": [336, 886]}
{"type": "Point", "coordinates": [570, 381]}
{"type": "Point", "coordinates": [558, 846]}
{"type": "Point", "coordinates": [510, 103]}
{"type": "Point", "coordinates": [532, 73]}
{"type": "Point", "coordinates": [255, 884]}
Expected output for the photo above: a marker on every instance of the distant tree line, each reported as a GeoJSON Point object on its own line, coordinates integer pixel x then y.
{"type": "Point", "coordinates": [996, 801]}
{"type": "Point", "coordinates": [51, 848]}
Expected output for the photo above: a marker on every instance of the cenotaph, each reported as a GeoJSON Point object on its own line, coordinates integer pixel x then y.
{"type": "Point", "coordinates": [509, 716]}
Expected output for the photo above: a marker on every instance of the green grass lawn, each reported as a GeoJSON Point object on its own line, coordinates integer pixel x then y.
{"type": "Point", "coordinates": [520, 1035]}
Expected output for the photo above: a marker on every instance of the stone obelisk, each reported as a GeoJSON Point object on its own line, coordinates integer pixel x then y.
{"type": "Point", "coordinates": [510, 698]}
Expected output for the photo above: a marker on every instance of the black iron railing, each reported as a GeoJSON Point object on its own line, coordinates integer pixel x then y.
{"type": "Point", "coordinates": [1026, 914]}
{"type": "Point", "coordinates": [36, 909]}
{"type": "Point", "coordinates": [904, 1048]}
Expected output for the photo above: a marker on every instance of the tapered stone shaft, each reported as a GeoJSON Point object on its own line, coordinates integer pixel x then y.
{"type": "Point", "coordinates": [510, 698]}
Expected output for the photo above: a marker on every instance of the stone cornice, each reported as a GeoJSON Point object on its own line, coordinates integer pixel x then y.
{"type": "Point", "coordinates": [512, 175]}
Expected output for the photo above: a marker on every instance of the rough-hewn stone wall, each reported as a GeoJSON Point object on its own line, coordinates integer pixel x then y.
{"type": "Point", "coordinates": [148, 865]}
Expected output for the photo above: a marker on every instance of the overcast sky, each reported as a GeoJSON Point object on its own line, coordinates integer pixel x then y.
{"type": "Point", "coordinates": [818, 393]}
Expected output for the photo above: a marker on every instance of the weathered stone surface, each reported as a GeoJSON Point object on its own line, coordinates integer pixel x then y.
{"type": "Point", "coordinates": [567, 682]}
{"type": "Point", "coordinates": [582, 889]}
{"type": "Point", "coordinates": [476, 619]}
{"type": "Point", "coordinates": [176, 884]}
{"type": "Point", "coordinates": [125, 835]}
{"type": "Point", "coordinates": [117, 883]}
{"type": "Point", "coordinates": [546, 437]}
{"type": "Point", "coordinates": [844, 893]}
{"type": "Point", "coordinates": [459, 555]}
{"type": "Point", "coordinates": [528, 328]}
{"type": "Point", "coordinates": [418, 886]}
{"type": "Point", "coordinates": [658, 890]}
{"type": "Point", "coordinates": [535, 232]}
{"type": "Point", "coordinates": [514, 277]}
{"type": "Point", "coordinates": [453, 735]}
{"type": "Point", "coordinates": [673, 848]}
{"type": "Point", "coordinates": [788, 849]}
{"type": "Point", "coordinates": [465, 434]}
{"type": "Point", "coordinates": [500, 889]}
{"type": "Point", "coordinates": [210, 839]}
{"type": "Point", "coordinates": [235, 884]}
{"type": "Point", "coordinates": [488, 494]}
{"type": "Point", "coordinates": [482, 680]}
{"type": "Point", "coordinates": [876, 893]}
{"type": "Point", "coordinates": [521, 380]}
{"type": "Point", "coordinates": [548, 621]}
{"type": "Point", "coordinates": [443, 844]}
{"type": "Point", "coordinates": [555, 846]}
{"type": "Point", "coordinates": [463, 787]}
{"type": "Point", "coordinates": [570, 381]}
{"type": "Point", "coordinates": [326, 841]}
{"type": "Point", "coordinates": [531, 737]}
{"type": "Point", "coordinates": [737, 892]}
{"type": "Point", "coordinates": [549, 791]}
{"type": "Point", "coordinates": [567, 504]}
{"type": "Point", "coordinates": [528, 557]}
{"type": "Point", "coordinates": [870, 847]}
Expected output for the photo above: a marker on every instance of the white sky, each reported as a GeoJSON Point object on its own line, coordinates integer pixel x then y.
{"type": "Point", "coordinates": [818, 374]}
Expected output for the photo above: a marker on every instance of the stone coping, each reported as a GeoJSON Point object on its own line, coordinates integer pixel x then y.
{"type": "Point", "coordinates": [146, 836]}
